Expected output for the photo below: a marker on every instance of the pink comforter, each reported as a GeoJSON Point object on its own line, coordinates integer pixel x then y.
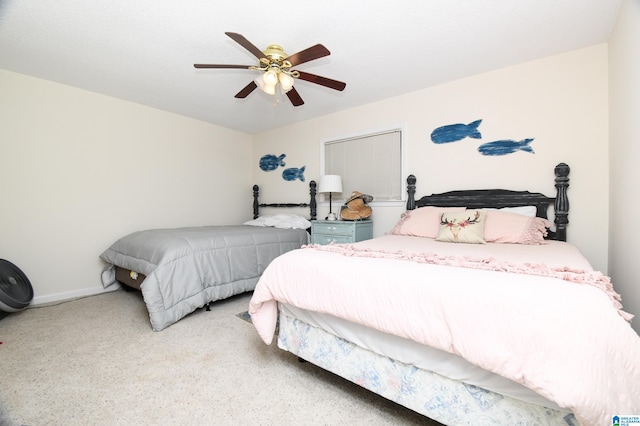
{"type": "Point", "coordinates": [564, 337]}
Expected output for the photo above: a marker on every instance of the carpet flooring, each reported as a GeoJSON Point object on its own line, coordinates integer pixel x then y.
{"type": "Point", "coordinates": [96, 361]}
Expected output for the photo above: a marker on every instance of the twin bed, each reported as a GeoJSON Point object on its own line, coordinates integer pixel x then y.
{"type": "Point", "coordinates": [180, 270]}
{"type": "Point", "coordinates": [470, 311]}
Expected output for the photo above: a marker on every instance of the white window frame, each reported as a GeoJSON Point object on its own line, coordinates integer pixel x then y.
{"type": "Point", "coordinates": [340, 198]}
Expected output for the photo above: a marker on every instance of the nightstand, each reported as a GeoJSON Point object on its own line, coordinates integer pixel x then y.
{"type": "Point", "coordinates": [340, 231]}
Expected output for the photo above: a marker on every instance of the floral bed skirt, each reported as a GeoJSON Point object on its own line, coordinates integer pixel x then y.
{"type": "Point", "coordinates": [442, 399]}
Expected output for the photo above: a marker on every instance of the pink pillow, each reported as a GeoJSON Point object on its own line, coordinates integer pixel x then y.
{"type": "Point", "coordinates": [422, 222]}
{"type": "Point", "coordinates": [505, 227]}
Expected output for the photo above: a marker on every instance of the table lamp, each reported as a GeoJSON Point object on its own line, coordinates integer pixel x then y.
{"type": "Point", "coordinates": [330, 184]}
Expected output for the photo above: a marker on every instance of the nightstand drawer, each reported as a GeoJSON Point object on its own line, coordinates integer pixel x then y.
{"type": "Point", "coordinates": [340, 231]}
{"type": "Point", "coordinates": [335, 228]}
{"type": "Point", "coordinates": [328, 239]}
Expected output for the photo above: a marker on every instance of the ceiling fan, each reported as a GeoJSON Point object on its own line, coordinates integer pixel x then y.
{"type": "Point", "coordinates": [276, 67]}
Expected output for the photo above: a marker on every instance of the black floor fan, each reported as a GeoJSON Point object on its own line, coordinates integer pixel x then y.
{"type": "Point", "coordinates": [15, 289]}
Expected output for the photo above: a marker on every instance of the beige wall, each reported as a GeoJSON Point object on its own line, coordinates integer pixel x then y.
{"type": "Point", "coordinates": [77, 158]}
{"type": "Point", "coordinates": [561, 101]}
{"type": "Point", "coordinates": [624, 237]}
{"type": "Point", "coordinates": [79, 170]}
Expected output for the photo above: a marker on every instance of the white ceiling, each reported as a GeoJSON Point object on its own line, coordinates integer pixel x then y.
{"type": "Point", "coordinates": [144, 50]}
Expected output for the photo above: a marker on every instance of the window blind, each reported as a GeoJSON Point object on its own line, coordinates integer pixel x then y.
{"type": "Point", "coordinates": [371, 164]}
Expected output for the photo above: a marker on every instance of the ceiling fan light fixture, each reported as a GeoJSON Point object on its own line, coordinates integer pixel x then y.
{"type": "Point", "coordinates": [269, 89]}
{"type": "Point", "coordinates": [270, 77]}
{"type": "Point", "coordinates": [286, 81]}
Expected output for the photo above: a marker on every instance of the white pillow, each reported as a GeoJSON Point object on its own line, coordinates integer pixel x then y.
{"type": "Point", "coordinates": [283, 221]}
{"type": "Point", "coordinates": [529, 211]}
{"type": "Point", "coordinates": [261, 221]}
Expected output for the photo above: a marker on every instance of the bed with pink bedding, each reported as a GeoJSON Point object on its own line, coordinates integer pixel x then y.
{"type": "Point", "coordinates": [464, 314]}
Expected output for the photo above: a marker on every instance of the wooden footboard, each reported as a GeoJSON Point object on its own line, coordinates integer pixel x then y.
{"type": "Point", "coordinates": [129, 278]}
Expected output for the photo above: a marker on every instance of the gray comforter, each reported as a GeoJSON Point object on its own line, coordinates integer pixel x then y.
{"type": "Point", "coordinates": [186, 268]}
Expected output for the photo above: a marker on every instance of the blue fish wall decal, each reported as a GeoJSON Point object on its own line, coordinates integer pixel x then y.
{"type": "Point", "coordinates": [271, 162]}
{"type": "Point", "coordinates": [506, 147]}
{"type": "Point", "coordinates": [456, 132]}
{"type": "Point", "coordinates": [293, 173]}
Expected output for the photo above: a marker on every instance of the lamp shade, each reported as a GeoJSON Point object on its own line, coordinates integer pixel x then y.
{"type": "Point", "coordinates": [286, 81]}
{"type": "Point", "coordinates": [330, 183]}
{"type": "Point", "coordinates": [270, 78]}
{"type": "Point", "coordinates": [266, 88]}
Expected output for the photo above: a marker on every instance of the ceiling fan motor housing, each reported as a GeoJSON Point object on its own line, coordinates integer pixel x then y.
{"type": "Point", "coordinates": [16, 291]}
{"type": "Point", "coordinates": [275, 53]}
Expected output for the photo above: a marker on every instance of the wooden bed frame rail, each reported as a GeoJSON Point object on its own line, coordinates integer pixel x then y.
{"type": "Point", "coordinates": [498, 198]}
{"type": "Point", "coordinates": [311, 204]}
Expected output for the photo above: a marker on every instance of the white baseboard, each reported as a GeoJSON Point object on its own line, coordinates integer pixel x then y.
{"type": "Point", "coordinates": [75, 294]}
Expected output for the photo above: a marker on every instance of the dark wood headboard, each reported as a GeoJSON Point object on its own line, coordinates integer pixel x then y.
{"type": "Point", "coordinates": [498, 198]}
{"type": "Point", "coordinates": [311, 204]}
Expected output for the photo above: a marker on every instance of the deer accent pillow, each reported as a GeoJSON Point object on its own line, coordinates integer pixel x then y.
{"type": "Point", "coordinates": [462, 227]}
{"type": "Point", "coordinates": [422, 222]}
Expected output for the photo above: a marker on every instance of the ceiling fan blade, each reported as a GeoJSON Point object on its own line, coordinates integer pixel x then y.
{"type": "Point", "coordinates": [323, 81]}
{"type": "Point", "coordinates": [294, 97]}
{"type": "Point", "coordinates": [306, 55]}
{"type": "Point", "coordinates": [242, 41]}
{"type": "Point", "coordinates": [221, 66]}
{"type": "Point", "coordinates": [247, 90]}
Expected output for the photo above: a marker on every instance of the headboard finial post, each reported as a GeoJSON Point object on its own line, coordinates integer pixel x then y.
{"type": "Point", "coordinates": [312, 204]}
{"type": "Point", "coordinates": [561, 205]}
{"type": "Point", "coordinates": [411, 192]}
{"type": "Point", "coordinates": [256, 207]}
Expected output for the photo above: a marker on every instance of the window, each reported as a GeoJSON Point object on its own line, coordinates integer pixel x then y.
{"type": "Point", "coordinates": [371, 163]}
